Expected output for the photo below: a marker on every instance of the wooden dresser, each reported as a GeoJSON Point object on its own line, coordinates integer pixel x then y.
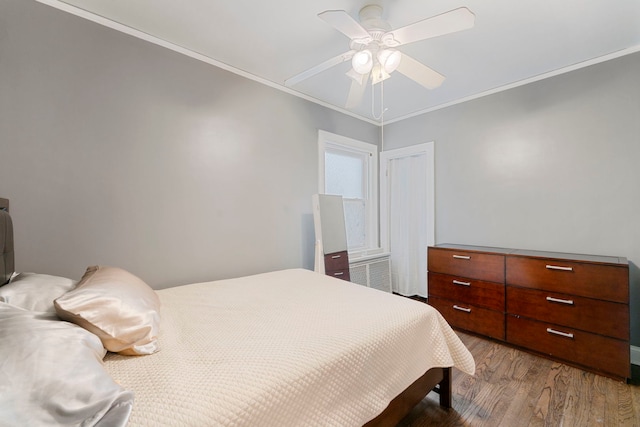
{"type": "Point", "coordinates": [573, 308]}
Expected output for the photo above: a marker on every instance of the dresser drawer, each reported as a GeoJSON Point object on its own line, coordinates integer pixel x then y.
{"type": "Point", "coordinates": [481, 266]}
{"type": "Point", "coordinates": [336, 261]}
{"type": "Point", "coordinates": [599, 281]}
{"type": "Point", "coordinates": [339, 274]}
{"type": "Point", "coordinates": [470, 291]}
{"type": "Point", "coordinates": [470, 318]}
{"type": "Point", "coordinates": [600, 317]}
{"type": "Point", "coordinates": [603, 354]}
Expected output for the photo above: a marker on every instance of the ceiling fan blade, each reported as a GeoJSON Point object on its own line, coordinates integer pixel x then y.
{"type": "Point", "coordinates": [445, 23]}
{"type": "Point", "coordinates": [344, 23]}
{"type": "Point", "coordinates": [356, 92]}
{"type": "Point", "coordinates": [319, 68]}
{"type": "Point", "coordinates": [419, 72]}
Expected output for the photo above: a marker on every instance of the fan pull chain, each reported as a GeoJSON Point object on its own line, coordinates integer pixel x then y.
{"type": "Point", "coordinates": [382, 111]}
{"type": "Point", "coordinates": [373, 93]}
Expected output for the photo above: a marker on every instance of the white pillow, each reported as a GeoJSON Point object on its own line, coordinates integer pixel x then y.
{"type": "Point", "coordinates": [35, 292]}
{"type": "Point", "coordinates": [51, 373]}
{"type": "Point", "coordinates": [117, 306]}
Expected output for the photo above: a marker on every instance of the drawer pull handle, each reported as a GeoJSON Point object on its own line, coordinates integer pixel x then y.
{"type": "Point", "coordinates": [557, 267]}
{"type": "Point", "coordinates": [461, 257]}
{"type": "Point", "coordinates": [458, 282]}
{"type": "Point", "coordinates": [562, 334]}
{"type": "Point", "coordinates": [466, 310]}
{"type": "Point", "coordinates": [561, 301]}
{"type": "Point", "coordinates": [338, 274]}
{"type": "Point", "coordinates": [335, 256]}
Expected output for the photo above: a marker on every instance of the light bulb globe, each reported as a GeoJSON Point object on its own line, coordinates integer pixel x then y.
{"type": "Point", "coordinates": [362, 61]}
{"type": "Point", "coordinates": [389, 59]}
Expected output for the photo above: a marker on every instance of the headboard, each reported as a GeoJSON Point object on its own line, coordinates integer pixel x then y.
{"type": "Point", "coordinates": [6, 243]}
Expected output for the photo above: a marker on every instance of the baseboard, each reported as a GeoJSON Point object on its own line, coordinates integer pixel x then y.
{"type": "Point", "coordinates": [635, 355]}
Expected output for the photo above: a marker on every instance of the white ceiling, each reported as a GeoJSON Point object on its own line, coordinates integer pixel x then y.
{"type": "Point", "coordinates": [512, 42]}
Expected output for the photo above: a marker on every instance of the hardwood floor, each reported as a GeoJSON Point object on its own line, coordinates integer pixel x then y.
{"type": "Point", "coordinates": [513, 388]}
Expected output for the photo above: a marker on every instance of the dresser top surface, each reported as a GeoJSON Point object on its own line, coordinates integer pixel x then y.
{"type": "Point", "coordinates": [488, 249]}
{"type": "Point", "coordinates": [601, 259]}
{"type": "Point", "coordinates": [572, 257]}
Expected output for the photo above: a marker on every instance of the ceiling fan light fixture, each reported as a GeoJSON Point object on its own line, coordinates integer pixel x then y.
{"type": "Point", "coordinates": [389, 59]}
{"type": "Point", "coordinates": [362, 61]}
{"type": "Point", "coordinates": [372, 47]}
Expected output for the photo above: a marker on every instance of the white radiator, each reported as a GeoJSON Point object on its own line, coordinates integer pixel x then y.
{"type": "Point", "coordinates": [372, 271]}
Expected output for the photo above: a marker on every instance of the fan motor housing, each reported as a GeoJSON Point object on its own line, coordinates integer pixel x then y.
{"type": "Point", "coordinates": [371, 19]}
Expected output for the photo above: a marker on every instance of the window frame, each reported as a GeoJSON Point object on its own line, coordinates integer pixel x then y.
{"type": "Point", "coordinates": [328, 141]}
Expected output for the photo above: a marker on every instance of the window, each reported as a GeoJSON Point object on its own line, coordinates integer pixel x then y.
{"type": "Point", "coordinates": [349, 168]}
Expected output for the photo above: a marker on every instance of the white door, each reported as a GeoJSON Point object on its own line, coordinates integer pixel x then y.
{"type": "Point", "coordinates": [407, 206]}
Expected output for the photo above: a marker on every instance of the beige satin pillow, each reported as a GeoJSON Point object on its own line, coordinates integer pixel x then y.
{"type": "Point", "coordinates": [121, 309]}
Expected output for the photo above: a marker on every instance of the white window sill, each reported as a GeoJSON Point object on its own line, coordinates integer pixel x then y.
{"type": "Point", "coordinates": [367, 254]}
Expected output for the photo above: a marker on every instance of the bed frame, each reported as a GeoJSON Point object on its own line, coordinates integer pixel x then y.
{"type": "Point", "coordinates": [436, 379]}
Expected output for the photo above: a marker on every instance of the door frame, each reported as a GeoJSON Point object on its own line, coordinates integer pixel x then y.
{"type": "Point", "coordinates": [427, 148]}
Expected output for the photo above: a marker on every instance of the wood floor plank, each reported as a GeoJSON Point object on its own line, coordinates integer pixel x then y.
{"type": "Point", "coordinates": [625, 407]}
{"type": "Point", "coordinates": [551, 394]}
{"type": "Point", "coordinates": [610, 403]}
{"type": "Point", "coordinates": [521, 409]}
{"type": "Point", "coordinates": [636, 406]}
{"type": "Point", "coordinates": [597, 402]}
{"type": "Point", "coordinates": [584, 404]}
{"type": "Point", "coordinates": [513, 388]}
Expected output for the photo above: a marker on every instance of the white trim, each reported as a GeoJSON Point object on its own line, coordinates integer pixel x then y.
{"type": "Point", "coordinates": [328, 140]}
{"type": "Point", "coordinates": [635, 351]}
{"type": "Point", "coordinates": [325, 138]}
{"type": "Point", "coordinates": [195, 55]}
{"type": "Point", "coordinates": [368, 256]}
{"type": "Point", "coordinates": [559, 71]}
{"type": "Point", "coordinates": [427, 148]}
{"type": "Point", "coordinates": [635, 355]}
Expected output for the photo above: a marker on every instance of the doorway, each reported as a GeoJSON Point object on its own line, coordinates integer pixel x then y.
{"type": "Point", "coordinates": [407, 214]}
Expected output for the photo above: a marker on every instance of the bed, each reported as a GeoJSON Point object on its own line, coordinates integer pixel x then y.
{"type": "Point", "coordinates": [289, 347]}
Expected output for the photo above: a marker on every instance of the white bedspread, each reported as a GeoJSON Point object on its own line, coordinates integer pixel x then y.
{"type": "Point", "coordinates": [288, 348]}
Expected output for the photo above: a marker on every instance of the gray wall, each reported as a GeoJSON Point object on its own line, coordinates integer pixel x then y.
{"type": "Point", "coordinates": [119, 152]}
{"type": "Point", "coordinates": [553, 165]}
{"type": "Point", "coordinates": [116, 151]}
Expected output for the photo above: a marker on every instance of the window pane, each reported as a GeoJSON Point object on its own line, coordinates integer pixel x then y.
{"type": "Point", "coordinates": [355, 223]}
{"type": "Point", "coordinates": [349, 169]}
{"type": "Point", "coordinates": [344, 174]}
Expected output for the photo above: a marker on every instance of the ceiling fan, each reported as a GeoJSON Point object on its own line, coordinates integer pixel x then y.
{"type": "Point", "coordinates": [373, 47]}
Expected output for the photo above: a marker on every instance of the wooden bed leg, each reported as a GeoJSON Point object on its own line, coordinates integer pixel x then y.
{"type": "Point", "coordinates": [445, 389]}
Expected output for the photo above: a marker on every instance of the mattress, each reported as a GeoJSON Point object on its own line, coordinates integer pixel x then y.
{"type": "Point", "coordinates": [285, 348]}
